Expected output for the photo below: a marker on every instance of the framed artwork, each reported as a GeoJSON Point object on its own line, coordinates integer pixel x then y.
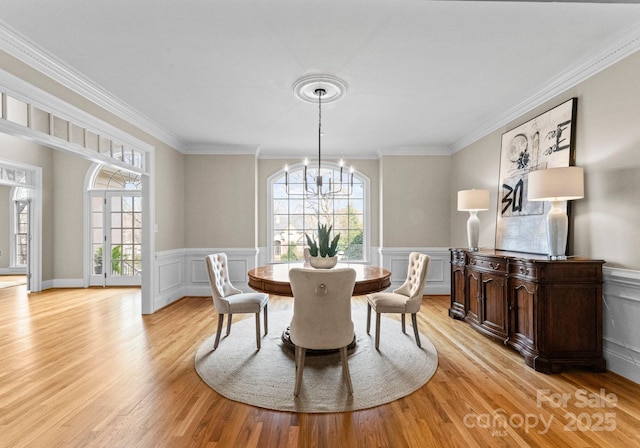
{"type": "Point", "coordinates": [546, 141]}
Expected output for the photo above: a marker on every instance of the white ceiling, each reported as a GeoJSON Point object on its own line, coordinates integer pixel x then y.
{"type": "Point", "coordinates": [420, 74]}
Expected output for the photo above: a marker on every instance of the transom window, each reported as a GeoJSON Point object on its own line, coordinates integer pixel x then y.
{"type": "Point", "coordinates": [294, 214]}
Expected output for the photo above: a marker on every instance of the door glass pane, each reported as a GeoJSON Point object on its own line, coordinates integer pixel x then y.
{"type": "Point", "coordinates": [97, 234]}
{"type": "Point", "coordinates": [126, 235]}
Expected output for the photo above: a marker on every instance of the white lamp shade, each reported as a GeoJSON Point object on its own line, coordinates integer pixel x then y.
{"type": "Point", "coordinates": [473, 200]}
{"type": "Point", "coordinates": [556, 184]}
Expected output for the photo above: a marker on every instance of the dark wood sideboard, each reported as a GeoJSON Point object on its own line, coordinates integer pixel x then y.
{"type": "Point", "coordinates": [550, 311]}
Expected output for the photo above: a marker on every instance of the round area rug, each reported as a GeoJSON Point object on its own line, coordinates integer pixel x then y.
{"type": "Point", "coordinates": [266, 378]}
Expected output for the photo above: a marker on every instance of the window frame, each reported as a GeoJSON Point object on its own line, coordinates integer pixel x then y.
{"type": "Point", "coordinates": [18, 195]}
{"type": "Point", "coordinates": [366, 187]}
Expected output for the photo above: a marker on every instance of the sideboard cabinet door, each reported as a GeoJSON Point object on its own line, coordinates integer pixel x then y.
{"type": "Point", "coordinates": [458, 309]}
{"type": "Point", "coordinates": [522, 331]}
{"type": "Point", "coordinates": [487, 294]}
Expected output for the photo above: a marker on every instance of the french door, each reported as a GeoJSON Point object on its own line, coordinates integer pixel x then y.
{"type": "Point", "coordinates": [116, 238]}
{"type": "Point", "coordinates": [21, 229]}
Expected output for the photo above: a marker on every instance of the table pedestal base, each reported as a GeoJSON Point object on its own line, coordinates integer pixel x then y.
{"type": "Point", "coordinates": [286, 339]}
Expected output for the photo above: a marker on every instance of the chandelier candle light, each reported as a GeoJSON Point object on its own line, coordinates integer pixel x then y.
{"type": "Point", "coordinates": [473, 201]}
{"type": "Point", "coordinates": [317, 186]}
{"type": "Point", "coordinates": [556, 185]}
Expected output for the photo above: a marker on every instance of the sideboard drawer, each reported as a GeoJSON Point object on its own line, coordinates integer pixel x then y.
{"type": "Point", "coordinates": [489, 264]}
{"type": "Point", "coordinates": [526, 271]}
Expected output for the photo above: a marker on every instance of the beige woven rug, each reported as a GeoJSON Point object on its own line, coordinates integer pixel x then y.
{"type": "Point", "coordinates": [266, 378]}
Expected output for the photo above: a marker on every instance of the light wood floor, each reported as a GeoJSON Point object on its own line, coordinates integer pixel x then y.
{"type": "Point", "coordinates": [83, 368]}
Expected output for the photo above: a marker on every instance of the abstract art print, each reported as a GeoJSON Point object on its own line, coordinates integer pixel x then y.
{"type": "Point", "coordinates": [546, 141]}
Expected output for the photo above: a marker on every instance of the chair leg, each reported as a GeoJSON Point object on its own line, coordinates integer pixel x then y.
{"type": "Point", "coordinates": [377, 330]}
{"type": "Point", "coordinates": [229, 324]}
{"type": "Point", "coordinates": [266, 322]}
{"type": "Point", "coordinates": [220, 321]}
{"type": "Point", "coordinates": [300, 355]}
{"type": "Point", "coordinates": [368, 317]}
{"type": "Point", "coordinates": [258, 330]}
{"type": "Point", "coordinates": [345, 369]}
{"type": "Point", "coordinates": [404, 327]}
{"type": "Point", "coordinates": [414, 322]}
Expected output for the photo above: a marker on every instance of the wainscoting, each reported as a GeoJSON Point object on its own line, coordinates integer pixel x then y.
{"type": "Point", "coordinates": [180, 273]}
{"type": "Point", "coordinates": [396, 260]}
{"type": "Point", "coordinates": [621, 314]}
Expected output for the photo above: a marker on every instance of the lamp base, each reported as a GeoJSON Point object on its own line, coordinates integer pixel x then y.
{"type": "Point", "coordinates": [473, 230]}
{"type": "Point", "coordinates": [557, 226]}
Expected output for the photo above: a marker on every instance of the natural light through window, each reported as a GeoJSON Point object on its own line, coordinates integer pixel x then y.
{"type": "Point", "coordinates": [293, 214]}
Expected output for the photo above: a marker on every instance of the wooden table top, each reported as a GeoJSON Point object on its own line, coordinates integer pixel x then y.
{"type": "Point", "coordinates": [274, 278]}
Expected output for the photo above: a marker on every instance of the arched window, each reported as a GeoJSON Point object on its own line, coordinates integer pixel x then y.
{"type": "Point", "coordinates": [292, 213]}
{"type": "Point", "coordinates": [114, 179]}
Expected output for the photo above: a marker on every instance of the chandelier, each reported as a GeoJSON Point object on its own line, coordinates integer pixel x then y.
{"type": "Point", "coordinates": [317, 186]}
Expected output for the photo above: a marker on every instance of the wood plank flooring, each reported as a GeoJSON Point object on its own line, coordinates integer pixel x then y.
{"type": "Point", "coordinates": [83, 368]}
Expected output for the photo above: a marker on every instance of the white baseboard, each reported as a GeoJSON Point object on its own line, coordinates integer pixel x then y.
{"type": "Point", "coordinates": [64, 283]}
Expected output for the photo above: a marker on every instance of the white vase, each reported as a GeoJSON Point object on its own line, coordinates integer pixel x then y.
{"type": "Point", "coordinates": [323, 262]}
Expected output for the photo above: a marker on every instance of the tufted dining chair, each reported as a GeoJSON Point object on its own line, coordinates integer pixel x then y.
{"type": "Point", "coordinates": [406, 299]}
{"type": "Point", "coordinates": [230, 300]}
{"type": "Point", "coordinates": [321, 315]}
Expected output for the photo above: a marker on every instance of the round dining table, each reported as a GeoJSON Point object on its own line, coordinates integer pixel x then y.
{"type": "Point", "coordinates": [274, 278]}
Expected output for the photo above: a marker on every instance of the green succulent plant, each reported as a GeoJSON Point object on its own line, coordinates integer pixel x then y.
{"type": "Point", "coordinates": [323, 247]}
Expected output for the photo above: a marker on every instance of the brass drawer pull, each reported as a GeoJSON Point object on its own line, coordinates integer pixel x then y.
{"type": "Point", "coordinates": [524, 271]}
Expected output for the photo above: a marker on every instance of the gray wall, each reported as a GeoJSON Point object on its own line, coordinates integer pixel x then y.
{"type": "Point", "coordinates": [607, 221]}
{"type": "Point", "coordinates": [25, 151]}
{"type": "Point", "coordinates": [413, 197]}
{"type": "Point", "coordinates": [415, 201]}
{"type": "Point", "coordinates": [220, 201]}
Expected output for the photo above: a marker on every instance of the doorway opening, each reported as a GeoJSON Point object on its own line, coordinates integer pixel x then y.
{"type": "Point", "coordinates": [115, 227]}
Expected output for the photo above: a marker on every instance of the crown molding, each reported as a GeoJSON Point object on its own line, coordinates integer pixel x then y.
{"type": "Point", "coordinates": [24, 91]}
{"type": "Point", "coordinates": [619, 49]}
{"type": "Point", "coordinates": [221, 149]}
{"type": "Point", "coordinates": [415, 151]}
{"type": "Point", "coordinates": [18, 46]}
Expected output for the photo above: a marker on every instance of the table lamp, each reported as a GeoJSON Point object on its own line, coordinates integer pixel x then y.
{"type": "Point", "coordinates": [473, 201]}
{"type": "Point", "coordinates": [556, 185]}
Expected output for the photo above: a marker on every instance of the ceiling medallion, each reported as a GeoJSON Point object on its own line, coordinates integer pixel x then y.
{"type": "Point", "coordinates": [305, 88]}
